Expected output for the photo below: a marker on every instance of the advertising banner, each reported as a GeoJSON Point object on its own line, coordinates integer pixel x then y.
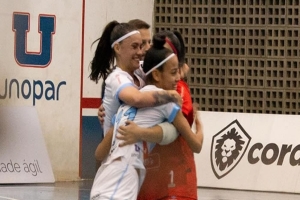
{"type": "Point", "coordinates": [250, 152]}
{"type": "Point", "coordinates": [24, 157]}
{"type": "Point", "coordinates": [40, 61]}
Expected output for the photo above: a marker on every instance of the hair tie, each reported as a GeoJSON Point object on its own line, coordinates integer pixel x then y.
{"type": "Point", "coordinates": [171, 45]}
{"type": "Point", "coordinates": [124, 37]}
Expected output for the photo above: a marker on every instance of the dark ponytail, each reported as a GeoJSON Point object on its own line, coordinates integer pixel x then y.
{"type": "Point", "coordinates": [104, 54]}
{"type": "Point", "coordinates": [156, 53]}
{"type": "Point", "coordinates": [159, 41]}
{"type": "Point", "coordinates": [181, 52]}
{"type": "Point", "coordinates": [177, 42]}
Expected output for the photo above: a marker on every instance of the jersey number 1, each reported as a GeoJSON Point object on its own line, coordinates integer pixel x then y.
{"type": "Point", "coordinates": [171, 184]}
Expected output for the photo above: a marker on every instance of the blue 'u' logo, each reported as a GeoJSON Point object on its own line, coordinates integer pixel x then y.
{"type": "Point", "coordinates": [46, 29]}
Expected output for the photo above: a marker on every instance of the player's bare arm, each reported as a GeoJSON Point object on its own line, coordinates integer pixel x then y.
{"type": "Point", "coordinates": [193, 140]}
{"type": "Point", "coordinates": [133, 97]}
{"type": "Point", "coordinates": [132, 133]}
{"type": "Point", "coordinates": [101, 114]}
{"type": "Point", "coordinates": [163, 133]}
{"type": "Point", "coordinates": [103, 147]}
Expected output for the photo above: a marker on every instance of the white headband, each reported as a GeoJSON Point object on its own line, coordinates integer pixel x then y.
{"type": "Point", "coordinates": [124, 37]}
{"type": "Point", "coordinates": [161, 63]}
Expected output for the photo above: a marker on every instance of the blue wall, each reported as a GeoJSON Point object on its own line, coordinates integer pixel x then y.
{"type": "Point", "coordinates": [92, 134]}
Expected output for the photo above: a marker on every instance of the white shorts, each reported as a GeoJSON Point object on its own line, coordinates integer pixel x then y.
{"type": "Point", "coordinates": [117, 181]}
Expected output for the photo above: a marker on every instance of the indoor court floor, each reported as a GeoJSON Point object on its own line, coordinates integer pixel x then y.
{"type": "Point", "coordinates": [80, 190]}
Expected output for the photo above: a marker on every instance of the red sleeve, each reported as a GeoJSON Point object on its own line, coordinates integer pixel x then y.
{"type": "Point", "coordinates": [187, 104]}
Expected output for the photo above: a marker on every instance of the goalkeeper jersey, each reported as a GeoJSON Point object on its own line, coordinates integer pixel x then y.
{"type": "Point", "coordinates": [171, 171]}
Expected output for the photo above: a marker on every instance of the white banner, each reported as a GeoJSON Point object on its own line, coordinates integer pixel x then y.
{"type": "Point", "coordinates": [23, 154]}
{"type": "Point", "coordinates": [40, 62]}
{"type": "Point", "coordinates": [250, 152]}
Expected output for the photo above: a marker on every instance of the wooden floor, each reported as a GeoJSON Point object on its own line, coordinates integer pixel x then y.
{"type": "Point", "coordinates": [80, 190]}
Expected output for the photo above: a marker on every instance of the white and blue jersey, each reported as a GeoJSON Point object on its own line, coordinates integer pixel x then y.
{"type": "Point", "coordinates": [143, 117]}
{"type": "Point", "coordinates": [122, 173]}
{"type": "Point", "coordinates": [115, 82]}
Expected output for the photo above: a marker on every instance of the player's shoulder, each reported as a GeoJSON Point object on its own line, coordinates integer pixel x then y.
{"type": "Point", "coordinates": [118, 74]}
{"type": "Point", "coordinates": [150, 88]}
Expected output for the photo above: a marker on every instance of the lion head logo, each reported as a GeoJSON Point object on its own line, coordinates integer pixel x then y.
{"type": "Point", "coordinates": [228, 147]}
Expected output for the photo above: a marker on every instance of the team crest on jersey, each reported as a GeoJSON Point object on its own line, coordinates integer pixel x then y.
{"type": "Point", "coordinates": [228, 147]}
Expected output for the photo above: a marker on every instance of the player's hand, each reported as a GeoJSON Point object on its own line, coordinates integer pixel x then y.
{"type": "Point", "coordinates": [195, 109]}
{"type": "Point", "coordinates": [199, 130]}
{"type": "Point", "coordinates": [101, 114]}
{"type": "Point", "coordinates": [128, 133]}
{"type": "Point", "coordinates": [198, 124]}
{"type": "Point", "coordinates": [176, 95]}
